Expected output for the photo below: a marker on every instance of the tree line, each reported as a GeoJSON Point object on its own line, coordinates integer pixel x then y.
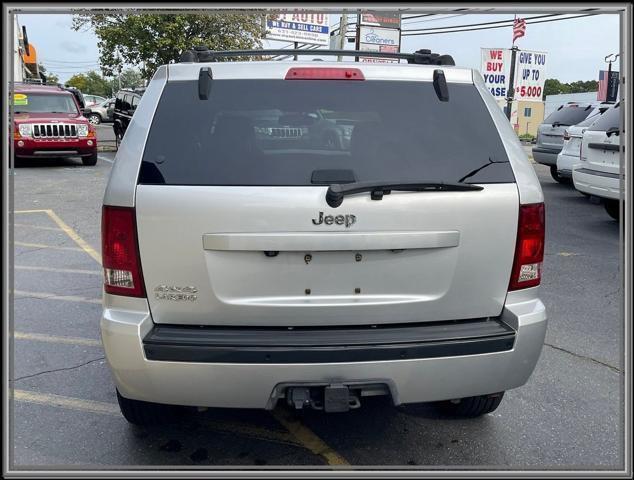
{"type": "Point", "coordinates": [555, 87]}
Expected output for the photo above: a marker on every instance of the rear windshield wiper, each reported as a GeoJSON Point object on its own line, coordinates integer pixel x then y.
{"type": "Point", "coordinates": [481, 167]}
{"type": "Point", "coordinates": [336, 192]}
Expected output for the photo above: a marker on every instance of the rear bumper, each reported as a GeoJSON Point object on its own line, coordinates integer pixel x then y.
{"type": "Point", "coordinates": [505, 362]}
{"type": "Point", "coordinates": [546, 156]}
{"type": "Point", "coordinates": [597, 183]}
{"type": "Point", "coordinates": [565, 163]}
{"type": "Point", "coordinates": [280, 345]}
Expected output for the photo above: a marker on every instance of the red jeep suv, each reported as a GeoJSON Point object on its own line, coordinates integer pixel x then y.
{"type": "Point", "coordinates": [48, 122]}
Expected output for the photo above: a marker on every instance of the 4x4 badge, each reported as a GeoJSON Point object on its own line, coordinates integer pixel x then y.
{"type": "Point", "coordinates": [347, 220]}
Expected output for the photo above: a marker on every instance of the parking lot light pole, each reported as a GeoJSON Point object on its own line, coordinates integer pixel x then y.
{"type": "Point", "coordinates": [343, 28]}
{"type": "Point", "coordinates": [511, 93]}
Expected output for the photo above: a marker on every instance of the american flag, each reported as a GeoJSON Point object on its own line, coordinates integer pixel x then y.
{"type": "Point", "coordinates": [602, 94]}
{"type": "Point", "coordinates": [519, 28]}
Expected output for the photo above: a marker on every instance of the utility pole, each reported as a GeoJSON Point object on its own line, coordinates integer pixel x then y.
{"type": "Point", "coordinates": [357, 36]}
{"type": "Point", "coordinates": [609, 59]}
{"type": "Point", "coordinates": [343, 24]}
{"type": "Point", "coordinates": [511, 95]}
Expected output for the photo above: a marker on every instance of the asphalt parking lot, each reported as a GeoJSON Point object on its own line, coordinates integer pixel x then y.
{"type": "Point", "coordinates": [64, 410]}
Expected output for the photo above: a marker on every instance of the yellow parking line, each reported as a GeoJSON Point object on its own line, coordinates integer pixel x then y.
{"type": "Point", "coordinates": [66, 402]}
{"type": "Point", "coordinates": [75, 236]}
{"type": "Point", "coordinates": [252, 431]}
{"type": "Point", "coordinates": [308, 439]}
{"type": "Point", "coordinates": [52, 296]}
{"type": "Point", "coordinates": [105, 408]}
{"type": "Point", "coordinates": [39, 227]}
{"type": "Point", "coordinates": [58, 270]}
{"type": "Point", "coordinates": [39, 337]}
{"type": "Point", "coordinates": [304, 436]}
{"type": "Point", "coordinates": [41, 245]}
{"type": "Point", "coordinates": [69, 231]}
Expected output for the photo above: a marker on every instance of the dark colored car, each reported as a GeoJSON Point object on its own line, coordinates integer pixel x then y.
{"type": "Point", "coordinates": [48, 122]}
{"type": "Point", "coordinates": [125, 104]}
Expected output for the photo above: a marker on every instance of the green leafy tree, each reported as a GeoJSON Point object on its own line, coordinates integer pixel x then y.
{"type": "Point", "coordinates": [150, 40]}
{"type": "Point", "coordinates": [91, 83]}
{"type": "Point", "coordinates": [51, 78]}
{"type": "Point", "coordinates": [129, 78]}
{"type": "Point", "coordinates": [78, 81]}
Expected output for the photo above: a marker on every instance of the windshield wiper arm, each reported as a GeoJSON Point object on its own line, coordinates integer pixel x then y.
{"type": "Point", "coordinates": [336, 192]}
{"type": "Point", "coordinates": [473, 172]}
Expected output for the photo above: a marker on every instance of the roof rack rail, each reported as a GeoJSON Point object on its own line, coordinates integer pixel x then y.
{"type": "Point", "coordinates": [419, 57]}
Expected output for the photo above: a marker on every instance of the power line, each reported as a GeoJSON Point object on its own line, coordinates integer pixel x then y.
{"type": "Point", "coordinates": [480, 24]}
{"type": "Point", "coordinates": [434, 19]}
{"type": "Point", "coordinates": [419, 16]}
{"type": "Point", "coordinates": [490, 28]}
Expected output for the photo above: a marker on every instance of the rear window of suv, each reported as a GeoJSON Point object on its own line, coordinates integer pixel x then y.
{"type": "Point", "coordinates": [279, 132]}
{"type": "Point", "coordinates": [610, 119]}
{"type": "Point", "coordinates": [569, 115]}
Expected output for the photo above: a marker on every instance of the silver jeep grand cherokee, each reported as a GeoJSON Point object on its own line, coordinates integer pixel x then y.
{"type": "Point", "coordinates": [252, 255]}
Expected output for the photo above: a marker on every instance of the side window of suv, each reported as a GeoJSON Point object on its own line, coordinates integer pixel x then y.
{"type": "Point", "coordinates": [125, 105]}
{"type": "Point", "coordinates": [118, 103]}
{"type": "Point", "coordinates": [135, 102]}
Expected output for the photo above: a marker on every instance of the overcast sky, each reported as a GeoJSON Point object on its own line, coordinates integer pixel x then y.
{"type": "Point", "coordinates": [576, 47]}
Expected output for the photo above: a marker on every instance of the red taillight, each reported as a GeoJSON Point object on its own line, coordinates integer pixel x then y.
{"type": "Point", "coordinates": [529, 249]}
{"type": "Point", "coordinates": [320, 73]}
{"type": "Point", "coordinates": [120, 252]}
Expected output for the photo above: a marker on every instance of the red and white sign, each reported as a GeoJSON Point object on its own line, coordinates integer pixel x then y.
{"type": "Point", "coordinates": [496, 70]}
{"type": "Point", "coordinates": [530, 75]}
{"type": "Point", "coordinates": [378, 48]}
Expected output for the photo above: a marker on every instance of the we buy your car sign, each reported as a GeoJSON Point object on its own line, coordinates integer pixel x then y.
{"type": "Point", "coordinates": [496, 69]}
{"type": "Point", "coordinates": [530, 73]}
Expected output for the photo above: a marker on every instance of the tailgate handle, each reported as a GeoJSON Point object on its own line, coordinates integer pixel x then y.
{"type": "Point", "coordinates": [329, 241]}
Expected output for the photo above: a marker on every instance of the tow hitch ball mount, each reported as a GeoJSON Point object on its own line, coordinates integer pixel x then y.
{"type": "Point", "coordinates": [332, 398]}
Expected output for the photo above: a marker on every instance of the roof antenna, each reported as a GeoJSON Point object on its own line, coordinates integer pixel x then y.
{"type": "Point", "coordinates": [204, 83]}
{"type": "Point", "coordinates": [440, 85]}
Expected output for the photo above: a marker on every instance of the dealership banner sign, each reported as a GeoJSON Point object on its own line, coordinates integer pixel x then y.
{"type": "Point", "coordinates": [496, 70]}
{"type": "Point", "coordinates": [530, 73]}
{"type": "Point", "coordinates": [311, 28]}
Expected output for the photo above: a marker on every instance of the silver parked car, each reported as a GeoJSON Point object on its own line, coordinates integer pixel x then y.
{"type": "Point", "coordinates": [550, 134]}
{"type": "Point", "coordinates": [242, 270]}
{"type": "Point", "coordinates": [102, 112]}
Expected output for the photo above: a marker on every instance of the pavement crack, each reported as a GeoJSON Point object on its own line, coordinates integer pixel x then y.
{"type": "Point", "coordinates": [612, 367]}
{"type": "Point", "coordinates": [58, 369]}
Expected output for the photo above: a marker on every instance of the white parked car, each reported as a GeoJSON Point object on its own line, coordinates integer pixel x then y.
{"type": "Point", "coordinates": [241, 270]}
{"type": "Point", "coordinates": [598, 173]}
{"type": "Point", "coordinates": [571, 150]}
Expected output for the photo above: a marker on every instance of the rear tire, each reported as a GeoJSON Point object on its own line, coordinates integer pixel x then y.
{"type": "Point", "coordinates": [90, 161]}
{"type": "Point", "coordinates": [555, 174]}
{"type": "Point", "coordinates": [142, 413]}
{"type": "Point", "coordinates": [472, 406]}
{"type": "Point", "coordinates": [613, 208]}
